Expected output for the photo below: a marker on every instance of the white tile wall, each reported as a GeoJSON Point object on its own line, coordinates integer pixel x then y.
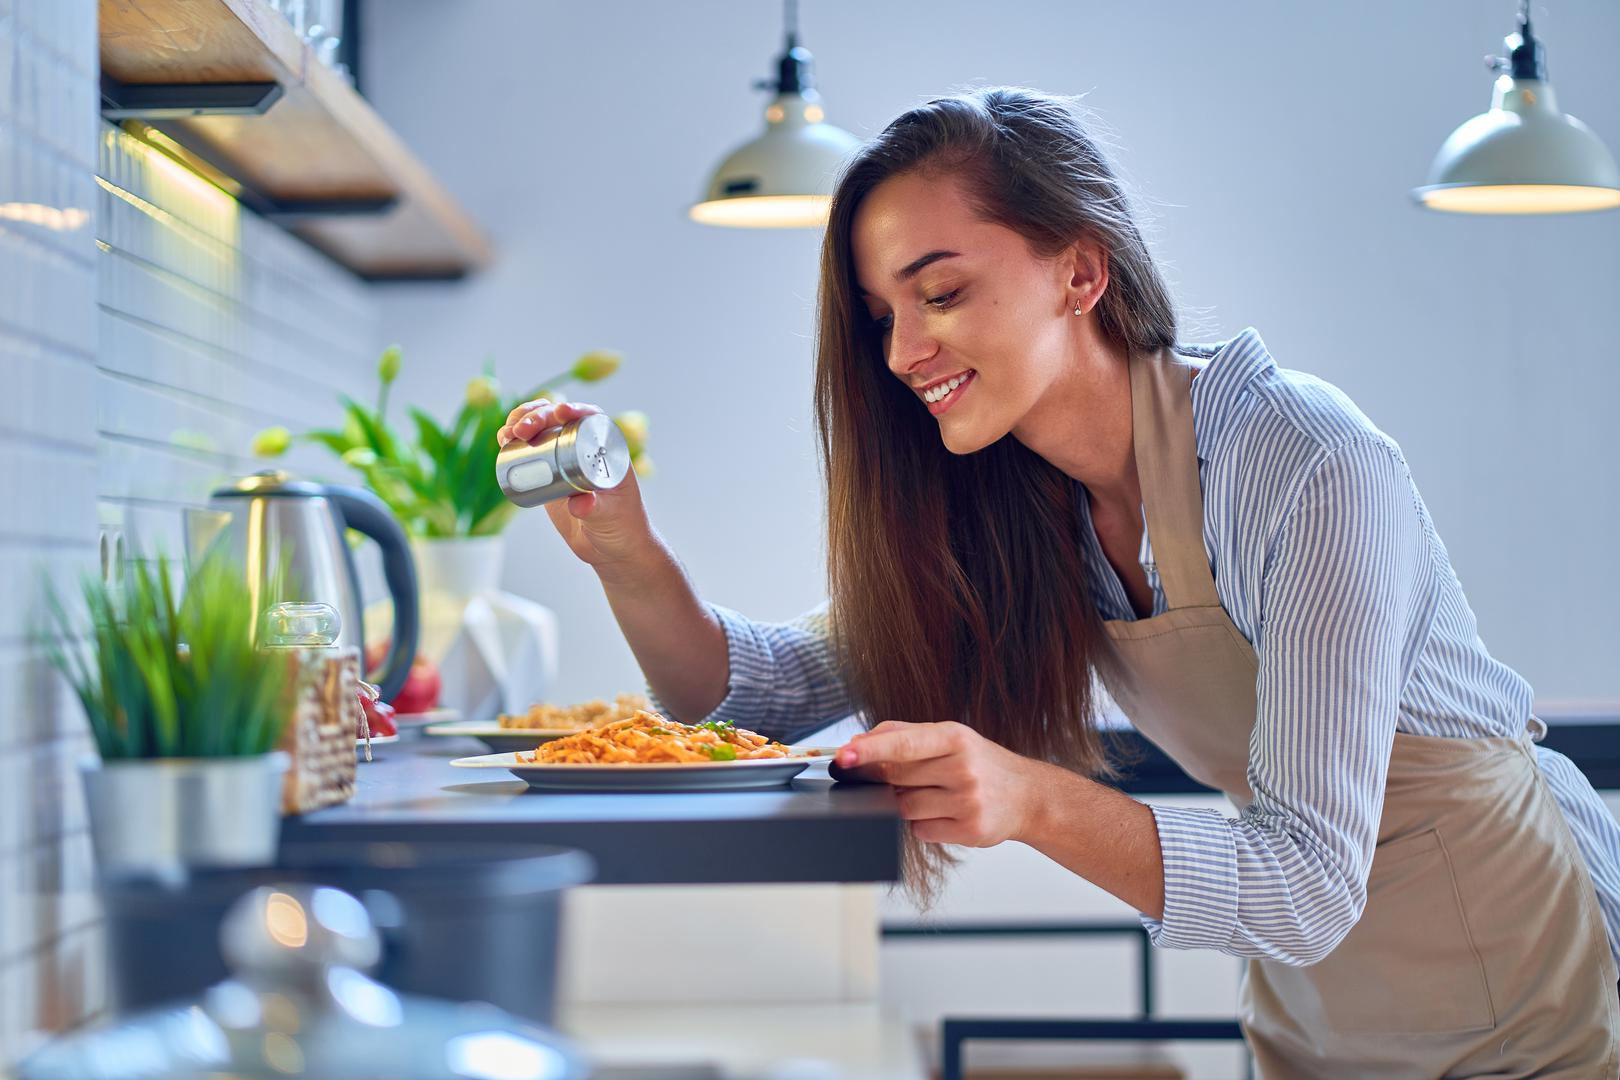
{"type": "Point", "coordinates": [48, 941]}
{"type": "Point", "coordinates": [148, 328]}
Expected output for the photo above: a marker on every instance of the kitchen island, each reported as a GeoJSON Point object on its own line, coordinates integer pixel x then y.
{"type": "Point", "coordinates": [810, 830]}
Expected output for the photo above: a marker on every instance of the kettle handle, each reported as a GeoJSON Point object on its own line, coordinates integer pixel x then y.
{"type": "Point", "coordinates": [364, 512]}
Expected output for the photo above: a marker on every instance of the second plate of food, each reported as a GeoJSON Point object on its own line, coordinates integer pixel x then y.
{"type": "Point", "coordinates": [499, 739]}
{"type": "Point", "coordinates": [654, 776]}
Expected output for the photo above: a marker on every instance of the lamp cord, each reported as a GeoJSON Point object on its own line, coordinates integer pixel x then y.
{"type": "Point", "coordinates": [793, 66]}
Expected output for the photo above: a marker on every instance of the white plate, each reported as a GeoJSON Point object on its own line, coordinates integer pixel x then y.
{"type": "Point", "coordinates": [376, 740]}
{"type": "Point", "coordinates": [658, 776]}
{"type": "Point", "coordinates": [403, 720]}
{"type": "Point", "coordinates": [499, 739]}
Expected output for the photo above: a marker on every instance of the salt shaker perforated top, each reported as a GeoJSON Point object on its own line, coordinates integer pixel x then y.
{"type": "Point", "coordinates": [588, 454]}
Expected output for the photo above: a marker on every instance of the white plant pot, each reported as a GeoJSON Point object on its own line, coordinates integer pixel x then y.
{"type": "Point", "coordinates": [459, 567]}
{"type": "Point", "coordinates": [494, 650]}
{"type": "Point", "coordinates": [157, 817]}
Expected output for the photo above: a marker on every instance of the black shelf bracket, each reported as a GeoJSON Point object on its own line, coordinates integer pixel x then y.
{"type": "Point", "coordinates": [291, 212]}
{"type": "Point", "coordinates": [173, 101]}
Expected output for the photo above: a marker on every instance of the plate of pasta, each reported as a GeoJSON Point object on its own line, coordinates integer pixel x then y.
{"type": "Point", "coordinates": [542, 722]}
{"type": "Point", "coordinates": [497, 738]}
{"type": "Point", "coordinates": [648, 752]}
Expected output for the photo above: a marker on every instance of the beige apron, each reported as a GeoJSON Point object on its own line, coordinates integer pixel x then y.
{"type": "Point", "coordinates": [1482, 950]}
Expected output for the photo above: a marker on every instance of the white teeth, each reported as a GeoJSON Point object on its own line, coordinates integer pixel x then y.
{"type": "Point", "coordinates": [939, 392]}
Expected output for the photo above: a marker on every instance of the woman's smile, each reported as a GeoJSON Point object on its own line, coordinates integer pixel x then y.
{"type": "Point", "coordinates": [944, 393]}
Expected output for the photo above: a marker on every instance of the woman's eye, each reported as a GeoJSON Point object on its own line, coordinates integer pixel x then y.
{"type": "Point", "coordinates": [885, 323]}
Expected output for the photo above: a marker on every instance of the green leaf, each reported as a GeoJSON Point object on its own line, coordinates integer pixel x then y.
{"type": "Point", "coordinates": [434, 442]}
{"type": "Point", "coordinates": [493, 520]}
{"type": "Point", "coordinates": [724, 752]}
{"type": "Point", "coordinates": [376, 431]}
{"type": "Point", "coordinates": [335, 441]}
{"type": "Point", "coordinates": [173, 677]}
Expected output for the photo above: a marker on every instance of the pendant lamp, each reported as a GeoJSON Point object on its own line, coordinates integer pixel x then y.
{"type": "Point", "coordinates": [783, 178]}
{"type": "Point", "coordinates": [1523, 156]}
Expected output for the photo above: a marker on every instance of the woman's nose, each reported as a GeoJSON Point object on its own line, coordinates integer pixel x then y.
{"type": "Point", "coordinates": [908, 347]}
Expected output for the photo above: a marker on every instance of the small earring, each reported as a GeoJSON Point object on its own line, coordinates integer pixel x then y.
{"type": "Point", "coordinates": [1078, 310]}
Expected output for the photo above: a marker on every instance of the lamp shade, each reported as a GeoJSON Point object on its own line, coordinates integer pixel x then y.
{"type": "Point", "coordinates": [784, 177]}
{"type": "Point", "coordinates": [1522, 157]}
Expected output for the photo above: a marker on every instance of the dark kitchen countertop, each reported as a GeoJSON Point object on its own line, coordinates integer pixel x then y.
{"type": "Point", "coordinates": [810, 830]}
{"type": "Point", "coordinates": [1590, 737]}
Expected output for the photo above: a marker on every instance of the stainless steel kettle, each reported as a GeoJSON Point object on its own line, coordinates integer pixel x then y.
{"type": "Point", "coordinates": [287, 535]}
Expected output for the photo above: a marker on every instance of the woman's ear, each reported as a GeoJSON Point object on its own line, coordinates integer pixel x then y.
{"type": "Point", "coordinates": [1087, 267]}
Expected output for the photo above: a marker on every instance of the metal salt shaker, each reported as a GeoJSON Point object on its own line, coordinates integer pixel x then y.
{"type": "Point", "coordinates": [588, 454]}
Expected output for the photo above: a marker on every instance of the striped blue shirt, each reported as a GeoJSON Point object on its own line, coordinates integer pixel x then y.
{"type": "Point", "coordinates": [1326, 560]}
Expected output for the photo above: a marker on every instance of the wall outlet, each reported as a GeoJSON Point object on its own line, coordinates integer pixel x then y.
{"type": "Point", "coordinates": [110, 552]}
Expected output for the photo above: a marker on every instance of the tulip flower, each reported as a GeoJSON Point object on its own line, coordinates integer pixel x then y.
{"type": "Point", "coordinates": [482, 392]}
{"type": "Point", "coordinates": [596, 366]}
{"type": "Point", "coordinates": [272, 442]}
{"type": "Point", "coordinates": [388, 366]}
{"type": "Point", "coordinates": [634, 425]}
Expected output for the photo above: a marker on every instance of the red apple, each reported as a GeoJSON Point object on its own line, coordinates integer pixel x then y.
{"type": "Point", "coordinates": [421, 690]}
{"type": "Point", "coordinates": [379, 717]}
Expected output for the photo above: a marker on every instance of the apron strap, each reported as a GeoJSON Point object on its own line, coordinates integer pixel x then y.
{"type": "Point", "coordinates": [1167, 466]}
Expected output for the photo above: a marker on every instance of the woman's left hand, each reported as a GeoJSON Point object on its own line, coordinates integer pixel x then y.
{"type": "Point", "coordinates": [955, 786]}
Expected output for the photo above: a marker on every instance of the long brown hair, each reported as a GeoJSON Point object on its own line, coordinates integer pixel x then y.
{"type": "Point", "coordinates": [957, 586]}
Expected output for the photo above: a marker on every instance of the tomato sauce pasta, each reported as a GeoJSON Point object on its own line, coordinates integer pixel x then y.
{"type": "Point", "coordinates": [647, 738]}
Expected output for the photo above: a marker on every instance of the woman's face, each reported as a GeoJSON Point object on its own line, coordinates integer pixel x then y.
{"type": "Point", "coordinates": [961, 300]}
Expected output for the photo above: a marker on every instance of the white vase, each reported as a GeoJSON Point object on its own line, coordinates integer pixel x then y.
{"type": "Point", "coordinates": [460, 566]}
{"type": "Point", "coordinates": [495, 651]}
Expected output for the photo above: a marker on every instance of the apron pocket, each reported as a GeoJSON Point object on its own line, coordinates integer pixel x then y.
{"type": "Point", "coordinates": [1409, 966]}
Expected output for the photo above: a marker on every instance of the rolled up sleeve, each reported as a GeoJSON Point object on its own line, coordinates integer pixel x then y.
{"type": "Point", "coordinates": [784, 679]}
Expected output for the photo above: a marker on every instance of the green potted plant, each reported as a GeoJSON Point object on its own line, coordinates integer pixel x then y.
{"type": "Point", "coordinates": [439, 480]}
{"type": "Point", "coordinates": [186, 712]}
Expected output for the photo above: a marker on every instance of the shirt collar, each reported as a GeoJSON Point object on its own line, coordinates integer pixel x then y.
{"type": "Point", "coordinates": [1228, 368]}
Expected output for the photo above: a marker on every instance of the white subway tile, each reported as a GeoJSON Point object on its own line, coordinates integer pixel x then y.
{"type": "Point", "coordinates": [8, 67]}
{"type": "Point", "coordinates": [36, 705]}
{"type": "Point", "coordinates": [43, 490]}
{"type": "Point", "coordinates": [44, 805]}
{"type": "Point", "coordinates": [25, 572]}
{"type": "Point", "coordinates": [67, 982]}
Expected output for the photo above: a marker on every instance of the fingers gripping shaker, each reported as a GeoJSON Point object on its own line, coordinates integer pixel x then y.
{"type": "Point", "coordinates": [588, 454]}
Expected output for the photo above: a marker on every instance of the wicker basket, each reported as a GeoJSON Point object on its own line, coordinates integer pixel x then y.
{"type": "Point", "coordinates": [320, 733]}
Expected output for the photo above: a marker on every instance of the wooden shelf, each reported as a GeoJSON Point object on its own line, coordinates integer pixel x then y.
{"type": "Point", "coordinates": [319, 158]}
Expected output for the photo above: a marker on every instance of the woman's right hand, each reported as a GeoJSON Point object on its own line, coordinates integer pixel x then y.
{"type": "Point", "coordinates": [607, 529]}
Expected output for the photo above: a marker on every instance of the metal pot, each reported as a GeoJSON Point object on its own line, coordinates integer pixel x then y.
{"type": "Point", "coordinates": [298, 1003]}
{"type": "Point", "coordinates": [158, 817]}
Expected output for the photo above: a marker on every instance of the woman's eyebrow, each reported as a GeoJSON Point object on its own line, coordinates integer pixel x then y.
{"type": "Point", "coordinates": [914, 267]}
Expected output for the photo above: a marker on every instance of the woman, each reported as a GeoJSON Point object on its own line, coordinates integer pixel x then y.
{"type": "Point", "coordinates": [1029, 483]}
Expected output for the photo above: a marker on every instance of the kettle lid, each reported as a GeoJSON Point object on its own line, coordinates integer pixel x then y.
{"type": "Point", "coordinates": [269, 482]}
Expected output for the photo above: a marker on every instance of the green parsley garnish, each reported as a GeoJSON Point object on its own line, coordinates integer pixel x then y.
{"type": "Point", "coordinates": [719, 727]}
{"type": "Point", "coordinates": [726, 752]}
